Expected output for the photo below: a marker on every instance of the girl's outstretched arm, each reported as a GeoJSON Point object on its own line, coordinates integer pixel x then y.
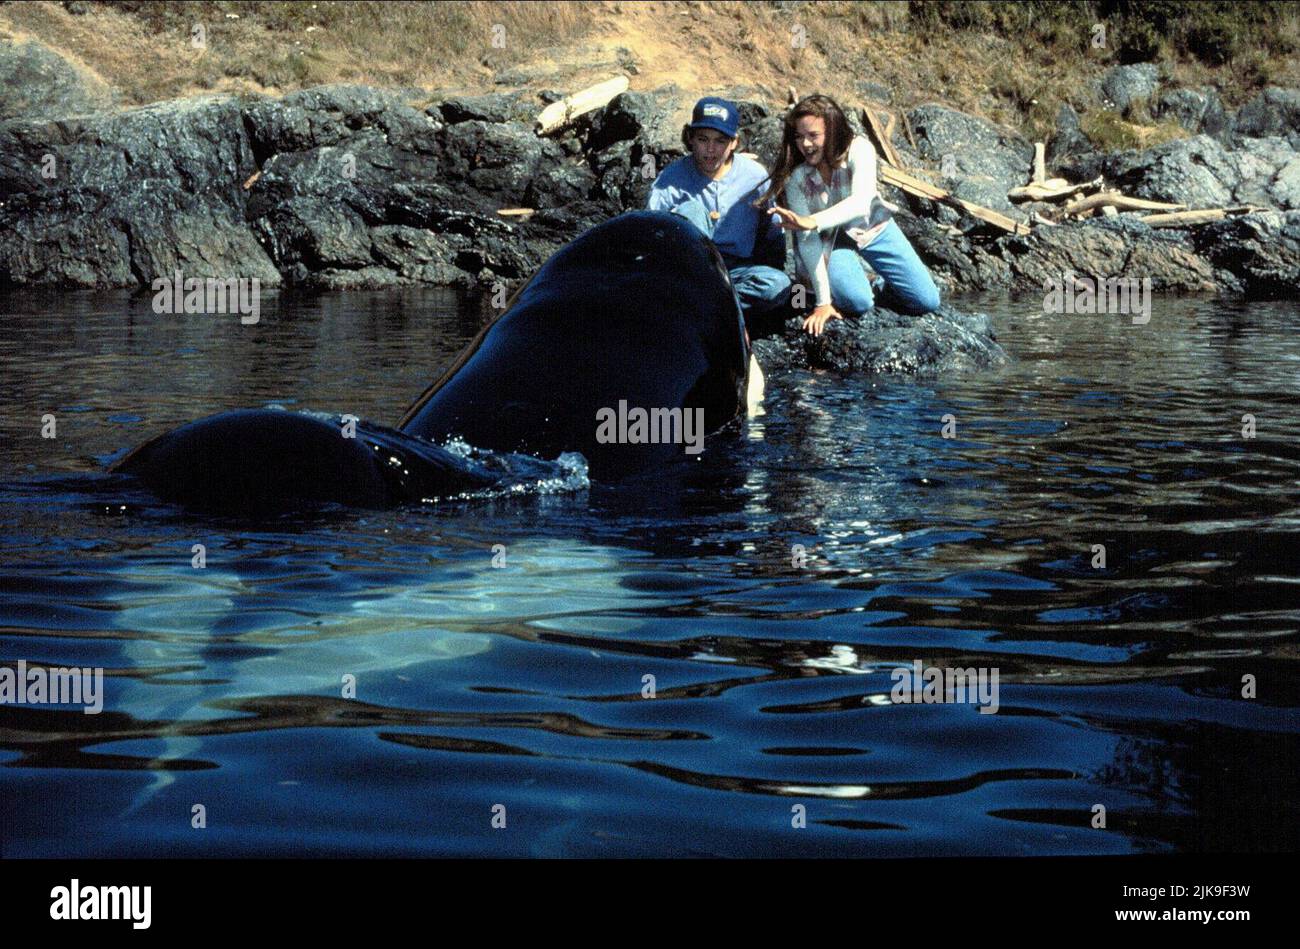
{"type": "Point", "coordinates": [808, 245]}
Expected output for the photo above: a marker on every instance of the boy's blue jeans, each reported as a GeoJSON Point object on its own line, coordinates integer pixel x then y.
{"type": "Point", "coordinates": [907, 282]}
{"type": "Point", "coordinates": [760, 288]}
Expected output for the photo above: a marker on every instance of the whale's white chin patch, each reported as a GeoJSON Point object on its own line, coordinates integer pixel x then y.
{"type": "Point", "coordinates": [757, 385]}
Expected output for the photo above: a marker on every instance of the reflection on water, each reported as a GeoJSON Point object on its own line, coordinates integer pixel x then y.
{"type": "Point", "coordinates": [667, 666]}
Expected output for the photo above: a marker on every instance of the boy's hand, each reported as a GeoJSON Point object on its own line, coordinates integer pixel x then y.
{"type": "Point", "coordinates": [816, 321]}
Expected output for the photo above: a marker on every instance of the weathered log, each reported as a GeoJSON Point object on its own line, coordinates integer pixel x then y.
{"type": "Point", "coordinates": [1122, 202]}
{"type": "Point", "coordinates": [563, 111]}
{"type": "Point", "coordinates": [883, 145]}
{"type": "Point", "coordinates": [911, 136]}
{"type": "Point", "coordinates": [1201, 216]}
{"type": "Point", "coordinates": [913, 185]}
{"type": "Point", "coordinates": [1054, 189]}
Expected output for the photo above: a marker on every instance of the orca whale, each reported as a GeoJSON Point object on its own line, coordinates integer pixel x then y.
{"type": "Point", "coordinates": [636, 313]}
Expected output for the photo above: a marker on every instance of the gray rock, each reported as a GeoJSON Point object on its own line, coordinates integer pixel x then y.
{"type": "Point", "coordinates": [1068, 140]}
{"type": "Point", "coordinates": [1268, 173]}
{"type": "Point", "coordinates": [874, 92]}
{"type": "Point", "coordinates": [199, 240]}
{"type": "Point", "coordinates": [410, 129]}
{"type": "Point", "coordinates": [493, 107]}
{"type": "Point", "coordinates": [1195, 171]}
{"type": "Point", "coordinates": [38, 83]}
{"type": "Point", "coordinates": [317, 233]}
{"type": "Point", "coordinates": [1125, 87]}
{"type": "Point", "coordinates": [559, 181]}
{"type": "Point", "coordinates": [1107, 247]}
{"type": "Point", "coordinates": [311, 118]}
{"type": "Point", "coordinates": [132, 195]}
{"type": "Point", "coordinates": [361, 278]}
{"type": "Point", "coordinates": [751, 112]}
{"type": "Point", "coordinates": [627, 117]}
{"type": "Point", "coordinates": [1200, 173]}
{"type": "Point", "coordinates": [70, 252]}
{"type": "Point", "coordinates": [956, 262]}
{"type": "Point", "coordinates": [1197, 110]}
{"type": "Point", "coordinates": [379, 183]}
{"type": "Point", "coordinates": [883, 341]}
{"type": "Point", "coordinates": [1261, 250]}
{"type": "Point", "coordinates": [963, 145]}
{"type": "Point", "coordinates": [633, 139]}
{"type": "Point", "coordinates": [415, 253]}
{"type": "Point", "coordinates": [652, 120]}
{"type": "Point", "coordinates": [984, 191]}
{"type": "Point", "coordinates": [763, 138]}
{"type": "Point", "coordinates": [1275, 111]}
{"type": "Point", "coordinates": [496, 160]}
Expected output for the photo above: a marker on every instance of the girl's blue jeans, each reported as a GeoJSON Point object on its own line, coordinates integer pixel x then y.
{"type": "Point", "coordinates": [908, 286]}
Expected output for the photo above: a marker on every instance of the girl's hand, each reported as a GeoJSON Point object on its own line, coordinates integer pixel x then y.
{"type": "Point", "coordinates": [816, 321]}
{"type": "Point", "coordinates": [794, 222]}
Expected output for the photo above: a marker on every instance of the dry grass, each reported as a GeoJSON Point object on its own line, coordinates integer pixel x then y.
{"type": "Point", "coordinates": [1112, 133]}
{"type": "Point", "coordinates": [147, 50]}
{"type": "Point", "coordinates": [1012, 63]}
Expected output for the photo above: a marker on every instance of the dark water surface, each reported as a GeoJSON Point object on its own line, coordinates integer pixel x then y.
{"type": "Point", "coordinates": [522, 685]}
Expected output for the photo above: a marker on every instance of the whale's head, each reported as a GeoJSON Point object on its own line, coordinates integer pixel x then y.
{"type": "Point", "coordinates": [637, 313]}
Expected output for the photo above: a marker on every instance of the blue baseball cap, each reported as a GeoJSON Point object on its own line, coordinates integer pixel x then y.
{"type": "Point", "coordinates": [714, 113]}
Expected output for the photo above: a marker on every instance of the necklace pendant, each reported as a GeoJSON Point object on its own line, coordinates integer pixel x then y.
{"type": "Point", "coordinates": [714, 215]}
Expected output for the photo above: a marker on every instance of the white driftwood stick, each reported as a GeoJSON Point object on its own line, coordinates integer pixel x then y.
{"type": "Point", "coordinates": [1054, 189]}
{"type": "Point", "coordinates": [1040, 163]}
{"type": "Point", "coordinates": [1202, 216]}
{"type": "Point", "coordinates": [561, 113]}
{"type": "Point", "coordinates": [1113, 199]}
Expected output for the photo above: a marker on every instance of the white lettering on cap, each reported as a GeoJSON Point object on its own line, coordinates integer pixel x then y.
{"type": "Point", "coordinates": [717, 111]}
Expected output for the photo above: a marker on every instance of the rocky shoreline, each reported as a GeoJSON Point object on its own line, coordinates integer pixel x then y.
{"type": "Point", "coordinates": [341, 187]}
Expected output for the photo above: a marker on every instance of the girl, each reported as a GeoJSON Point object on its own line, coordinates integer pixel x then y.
{"type": "Point", "coordinates": [829, 182]}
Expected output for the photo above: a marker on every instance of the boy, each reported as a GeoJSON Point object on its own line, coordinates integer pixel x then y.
{"type": "Point", "coordinates": [716, 190]}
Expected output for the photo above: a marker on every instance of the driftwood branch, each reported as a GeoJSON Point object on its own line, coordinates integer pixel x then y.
{"type": "Point", "coordinates": [1121, 202]}
{"type": "Point", "coordinates": [907, 130]}
{"type": "Point", "coordinates": [1203, 216]}
{"type": "Point", "coordinates": [880, 135]}
{"type": "Point", "coordinates": [1054, 189]}
{"type": "Point", "coordinates": [913, 185]}
{"type": "Point", "coordinates": [560, 113]}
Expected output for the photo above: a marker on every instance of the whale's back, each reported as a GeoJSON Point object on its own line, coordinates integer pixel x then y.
{"type": "Point", "coordinates": [637, 311]}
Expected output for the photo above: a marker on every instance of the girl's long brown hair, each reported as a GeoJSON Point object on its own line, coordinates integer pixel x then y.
{"type": "Point", "coordinates": [838, 139]}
